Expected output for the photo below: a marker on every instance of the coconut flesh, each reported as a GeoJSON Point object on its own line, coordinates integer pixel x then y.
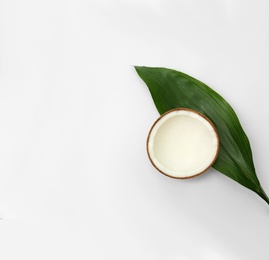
{"type": "Point", "coordinates": [182, 143]}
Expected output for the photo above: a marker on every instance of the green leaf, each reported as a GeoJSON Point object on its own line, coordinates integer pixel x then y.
{"type": "Point", "coordinates": [171, 89]}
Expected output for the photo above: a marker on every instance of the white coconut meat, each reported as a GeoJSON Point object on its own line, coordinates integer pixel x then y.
{"type": "Point", "coordinates": [182, 143]}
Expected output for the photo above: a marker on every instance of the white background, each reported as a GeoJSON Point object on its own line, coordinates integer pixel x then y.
{"type": "Point", "coordinates": [75, 180]}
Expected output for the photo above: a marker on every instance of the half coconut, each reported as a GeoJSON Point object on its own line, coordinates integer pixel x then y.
{"type": "Point", "coordinates": [182, 143]}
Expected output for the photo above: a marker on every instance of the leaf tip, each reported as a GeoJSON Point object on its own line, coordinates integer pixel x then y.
{"type": "Point", "coordinates": [139, 69]}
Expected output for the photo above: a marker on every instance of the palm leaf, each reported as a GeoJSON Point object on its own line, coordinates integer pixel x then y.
{"type": "Point", "coordinates": [171, 89]}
